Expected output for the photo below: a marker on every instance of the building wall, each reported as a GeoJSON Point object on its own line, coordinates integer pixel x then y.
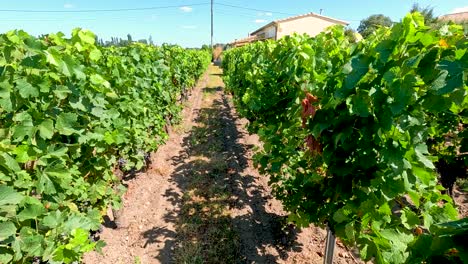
{"type": "Point", "coordinates": [310, 25]}
{"type": "Point", "coordinates": [269, 33]}
{"type": "Point", "coordinates": [457, 18]}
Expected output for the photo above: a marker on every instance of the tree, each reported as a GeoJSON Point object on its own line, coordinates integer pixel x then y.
{"type": "Point", "coordinates": [427, 12]}
{"type": "Point", "coordinates": [351, 34]}
{"type": "Point", "coordinates": [373, 22]}
{"type": "Point", "coordinates": [150, 40]}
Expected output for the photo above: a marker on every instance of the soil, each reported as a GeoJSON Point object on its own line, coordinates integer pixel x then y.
{"type": "Point", "coordinates": [460, 198]}
{"type": "Point", "coordinates": [203, 201]}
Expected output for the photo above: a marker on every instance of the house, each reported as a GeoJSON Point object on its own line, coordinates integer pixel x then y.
{"type": "Point", "coordinates": [456, 17]}
{"type": "Point", "coordinates": [311, 24]}
{"type": "Point", "coordinates": [244, 41]}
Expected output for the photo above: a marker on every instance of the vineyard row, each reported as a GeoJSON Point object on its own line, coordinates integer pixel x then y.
{"type": "Point", "coordinates": [352, 133]}
{"type": "Point", "coordinates": [72, 113]}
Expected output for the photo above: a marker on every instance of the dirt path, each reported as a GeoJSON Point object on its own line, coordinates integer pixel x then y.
{"type": "Point", "coordinates": [203, 201]}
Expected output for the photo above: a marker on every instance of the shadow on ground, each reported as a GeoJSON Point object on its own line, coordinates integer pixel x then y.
{"type": "Point", "coordinates": [210, 171]}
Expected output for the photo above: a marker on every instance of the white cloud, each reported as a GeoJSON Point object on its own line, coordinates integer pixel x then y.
{"type": "Point", "coordinates": [259, 21]}
{"type": "Point", "coordinates": [186, 9]}
{"type": "Point", "coordinates": [460, 9]}
{"type": "Point", "coordinates": [189, 27]}
{"type": "Point", "coordinates": [68, 6]}
{"type": "Point", "coordinates": [269, 14]}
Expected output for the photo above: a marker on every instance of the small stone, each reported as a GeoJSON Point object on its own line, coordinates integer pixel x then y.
{"type": "Point", "coordinates": [319, 253]}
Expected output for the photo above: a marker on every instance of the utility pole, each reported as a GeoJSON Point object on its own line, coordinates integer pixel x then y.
{"type": "Point", "coordinates": [211, 30]}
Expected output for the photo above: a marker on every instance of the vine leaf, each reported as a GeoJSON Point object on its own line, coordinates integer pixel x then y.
{"type": "Point", "coordinates": [9, 196]}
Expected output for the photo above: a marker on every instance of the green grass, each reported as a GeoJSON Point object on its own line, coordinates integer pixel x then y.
{"type": "Point", "coordinates": [205, 229]}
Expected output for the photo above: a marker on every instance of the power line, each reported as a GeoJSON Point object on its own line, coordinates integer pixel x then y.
{"type": "Point", "coordinates": [268, 11]}
{"type": "Point", "coordinates": [225, 4]}
{"type": "Point", "coordinates": [246, 13]}
{"type": "Point", "coordinates": [137, 18]}
{"type": "Point", "coordinates": [254, 9]}
{"type": "Point", "coordinates": [227, 12]}
{"type": "Point", "coordinates": [72, 20]}
{"type": "Point", "coordinates": [99, 10]}
{"type": "Point", "coordinates": [90, 18]}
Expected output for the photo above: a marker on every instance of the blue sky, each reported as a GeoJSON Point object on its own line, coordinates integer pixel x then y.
{"type": "Point", "coordinates": [188, 22]}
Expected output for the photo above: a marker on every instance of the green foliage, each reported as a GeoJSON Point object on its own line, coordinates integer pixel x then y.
{"type": "Point", "coordinates": [427, 12]}
{"type": "Point", "coordinates": [69, 111]}
{"type": "Point", "coordinates": [446, 243]}
{"type": "Point", "coordinates": [345, 129]}
{"type": "Point", "coordinates": [351, 35]}
{"type": "Point", "coordinates": [372, 23]}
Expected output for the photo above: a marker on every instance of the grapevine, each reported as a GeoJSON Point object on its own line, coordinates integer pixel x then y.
{"type": "Point", "coordinates": [69, 112]}
{"type": "Point", "coordinates": [345, 129]}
